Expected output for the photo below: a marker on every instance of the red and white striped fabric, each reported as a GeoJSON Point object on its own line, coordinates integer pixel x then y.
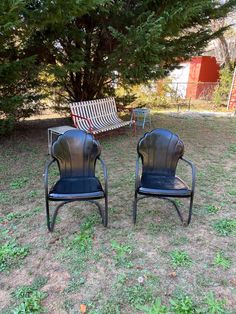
{"type": "Point", "coordinates": [97, 116]}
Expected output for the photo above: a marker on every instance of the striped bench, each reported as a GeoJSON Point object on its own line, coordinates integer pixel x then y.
{"type": "Point", "coordinates": [97, 116]}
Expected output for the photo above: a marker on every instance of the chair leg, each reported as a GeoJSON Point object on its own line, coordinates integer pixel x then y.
{"type": "Point", "coordinates": [48, 215]}
{"type": "Point", "coordinates": [51, 222]}
{"type": "Point", "coordinates": [105, 218]}
{"type": "Point", "coordinates": [103, 214]}
{"type": "Point", "coordinates": [190, 210]}
{"type": "Point", "coordinates": [135, 208]}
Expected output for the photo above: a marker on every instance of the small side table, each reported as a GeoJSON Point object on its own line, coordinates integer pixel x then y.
{"type": "Point", "coordinates": [141, 116]}
{"type": "Point", "coordinates": [55, 132]}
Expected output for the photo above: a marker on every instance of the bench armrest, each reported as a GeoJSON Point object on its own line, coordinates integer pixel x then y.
{"type": "Point", "coordinates": [82, 118]}
{"type": "Point", "coordinates": [193, 172]}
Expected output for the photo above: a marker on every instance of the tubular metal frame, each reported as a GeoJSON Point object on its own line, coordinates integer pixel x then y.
{"type": "Point", "coordinates": [168, 198]}
{"type": "Point", "coordinates": [51, 220]}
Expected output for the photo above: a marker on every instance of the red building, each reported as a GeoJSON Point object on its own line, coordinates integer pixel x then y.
{"type": "Point", "coordinates": [203, 77]}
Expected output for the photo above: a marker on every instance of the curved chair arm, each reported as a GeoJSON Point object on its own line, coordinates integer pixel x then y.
{"type": "Point", "coordinates": [137, 176]}
{"type": "Point", "coordinates": [104, 169]}
{"type": "Point", "coordinates": [45, 175]}
{"type": "Point", "coordinates": [193, 172]}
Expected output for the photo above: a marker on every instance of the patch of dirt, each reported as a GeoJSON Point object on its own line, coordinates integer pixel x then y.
{"type": "Point", "coordinates": [57, 282]}
{"type": "Point", "coordinates": [4, 299]}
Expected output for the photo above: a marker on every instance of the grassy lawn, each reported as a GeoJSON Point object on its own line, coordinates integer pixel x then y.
{"type": "Point", "coordinates": [156, 267]}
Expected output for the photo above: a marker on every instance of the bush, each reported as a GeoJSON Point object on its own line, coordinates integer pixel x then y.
{"type": "Point", "coordinates": [221, 93]}
{"type": "Point", "coordinates": [150, 96]}
{"type": "Point", "coordinates": [6, 125]}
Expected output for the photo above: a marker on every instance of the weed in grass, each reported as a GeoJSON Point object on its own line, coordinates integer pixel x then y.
{"type": "Point", "coordinates": [204, 281]}
{"type": "Point", "coordinates": [74, 285]}
{"type": "Point", "coordinates": [232, 192]}
{"type": "Point", "coordinates": [19, 215]}
{"type": "Point", "coordinates": [212, 209]}
{"type": "Point", "coordinates": [11, 254]}
{"type": "Point", "coordinates": [214, 306]}
{"type": "Point", "coordinates": [18, 183]}
{"type": "Point", "coordinates": [179, 240]}
{"type": "Point", "coordinates": [4, 198]}
{"type": "Point", "coordinates": [29, 300]}
{"type": "Point", "coordinates": [113, 209]}
{"type": "Point", "coordinates": [82, 242]}
{"type": "Point", "coordinates": [180, 259]}
{"type": "Point", "coordinates": [79, 249]}
{"type": "Point", "coordinates": [11, 216]}
{"type": "Point", "coordinates": [137, 295]}
{"type": "Point", "coordinates": [155, 308]}
{"type": "Point", "coordinates": [225, 227]}
{"type": "Point", "coordinates": [68, 305]}
{"type": "Point", "coordinates": [121, 279]}
{"type": "Point", "coordinates": [222, 261]}
{"type": "Point", "coordinates": [122, 254]}
{"type": "Point", "coordinates": [232, 148]}
{"type": "Point", "coordinates": [110, 307]}
{"type": "Point", "coordinates": [163, 227]}
{"type": "Point", "coordinates": [39, 282]}
{"type": "Point", "coordinates": [183, 305]}
{"type": "Point", "coordinates": [33, 194]}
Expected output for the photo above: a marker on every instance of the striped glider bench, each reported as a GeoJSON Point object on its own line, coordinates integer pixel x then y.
{"type": "Point", "coordinates": [97, 116]}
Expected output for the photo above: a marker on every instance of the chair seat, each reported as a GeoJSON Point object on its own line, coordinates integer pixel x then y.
{"type": "Point", "coordinates": [76, 188]}
{"type": "Point", "coordinates": [163, 186]}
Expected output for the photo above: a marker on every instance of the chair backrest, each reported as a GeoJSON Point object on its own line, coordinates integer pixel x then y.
{"type": "Point", "coordinates": [99, 112]}
{"type": "Point", "coordinates": [160, 151]}
{"type": "Point", "coordinates": [76, 153]}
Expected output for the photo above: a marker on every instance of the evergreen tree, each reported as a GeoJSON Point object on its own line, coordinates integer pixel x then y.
{"type": "Point", "coordinates": [90, 44]}
{"type": "Point", "coordinates": [18, 71]}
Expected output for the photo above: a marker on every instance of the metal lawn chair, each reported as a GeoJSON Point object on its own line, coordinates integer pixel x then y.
{"type": "Point", "coordinates": [76, 153]}
{"type": "Point", "coordinates": [159, 151]}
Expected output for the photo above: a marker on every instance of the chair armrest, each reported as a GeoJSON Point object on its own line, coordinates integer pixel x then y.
{"type": "Point", "coordinates": [82, 118]}
{"type": "Point", "coordinates": [45, 174]}
{"type": "Point", "coordinates": [104, 169]}
{"type": "Point", "coordinates": [137, 176]}
{"type": "Point", "coordinates": [193, 172]}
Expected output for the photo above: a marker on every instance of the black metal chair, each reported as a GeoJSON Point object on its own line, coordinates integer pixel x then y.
{"type": "Point", "coordinates": [160, 151]}
{"type": "Point", "coordinates": [76, 153]}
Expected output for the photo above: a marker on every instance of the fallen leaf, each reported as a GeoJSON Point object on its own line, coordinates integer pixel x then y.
{"type": "Point", "coordinates": [173, 274]}
{"type": "Point", "coordinates": [233, 281]}
{"type": "Point", "coordinates": [82, 308]}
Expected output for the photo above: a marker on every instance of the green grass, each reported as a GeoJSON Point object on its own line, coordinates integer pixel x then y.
{"type": "Point", "coordinates": [180, 258]}
{"type": "Point", "coordinates": [19, 183]}
{"type": "Point", "coordinates": [183, 305]}
{"type": "Point", "coordinates": [214, 306]}
{"type": "Point", "coordinates": [212, 209]}
{"type": "Point", "coordinates": [157, 266]}
{"type": "Point", "coordinates": [225, 227]}
{"type": "Point", "coordinates": [222, 260]}
{"type": "Point", "coordinates": [29, 300]}
{"type": "Point", "coordinates": [11, 254]}
{"type": "Point", "coordinates": [123, 254]}
{"type": "Point", "coordinates": [155, 308]}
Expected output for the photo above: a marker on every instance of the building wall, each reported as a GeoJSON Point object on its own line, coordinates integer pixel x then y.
{"type": "Point", "coordinates": [203, 75]}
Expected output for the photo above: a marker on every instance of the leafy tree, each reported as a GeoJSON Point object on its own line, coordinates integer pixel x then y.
{"type": "Point", "coordinates": [90, 45]}
{"type": "Point", "coordinates": [18, 71]}
{"type": "Point", "coordinates": [87, 46]}
{"type": "Point", "coordinates": [221, 92]}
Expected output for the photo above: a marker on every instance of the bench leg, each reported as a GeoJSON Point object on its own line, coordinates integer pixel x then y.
{"type": "Point", "coordinates": [134, 128]}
